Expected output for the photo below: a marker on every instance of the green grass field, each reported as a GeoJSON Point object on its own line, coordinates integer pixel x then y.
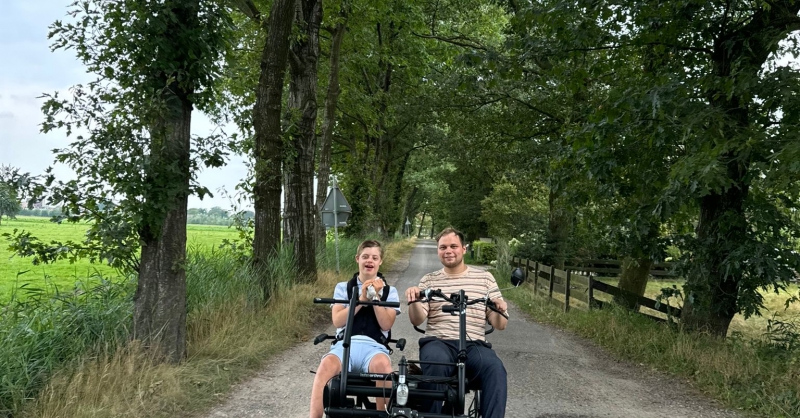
{"type": "Point", "coordinates": [16, 271]}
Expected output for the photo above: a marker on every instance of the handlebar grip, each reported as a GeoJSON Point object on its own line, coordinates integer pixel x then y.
{"type": "Point", "coordinates": [491, 305]}
{"type": "Point", "coordinates": [321, 337]}
{"type": "Point", "coordinates": [330, 300]}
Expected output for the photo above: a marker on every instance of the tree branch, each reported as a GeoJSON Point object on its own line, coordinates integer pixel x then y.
{"type": "Point", "coordinates": [460, 40]}
{"type": "Point", "coordinates": [608, 47]}
{"type": "Point", "coordinates": [248, 8]}
{"type": "Point", "coordinates": [534, 108]}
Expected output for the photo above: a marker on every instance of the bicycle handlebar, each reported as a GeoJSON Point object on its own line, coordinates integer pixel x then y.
{"type": "Point", "coordinates": [437, 293]}
{"type": "Point", "coordinates": [369, 302]}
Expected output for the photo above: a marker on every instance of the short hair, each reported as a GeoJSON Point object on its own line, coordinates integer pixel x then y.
{"type": "Point", "coordinates": [451, 230]}
{"type": "Point", "coordinates": [370, 243]}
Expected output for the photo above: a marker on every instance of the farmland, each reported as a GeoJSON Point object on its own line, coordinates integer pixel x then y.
{"type": "Point", "coordinates": [17, 271]}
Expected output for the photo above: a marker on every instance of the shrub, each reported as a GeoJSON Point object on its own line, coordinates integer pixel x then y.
{"type": "Point", "coordinates": [485, 252]}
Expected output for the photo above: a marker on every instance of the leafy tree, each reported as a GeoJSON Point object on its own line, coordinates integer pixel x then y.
{"type": "Point", "coordinates": [9, 204]}
{"type": "Point", "coordinates": [24, 185]}
{"type": "Point", "coordinates": [734, 117]}
{"type": "Point", "coordinates": [218, 212]}
{"type": "Point", "coordinates": [154, 62]}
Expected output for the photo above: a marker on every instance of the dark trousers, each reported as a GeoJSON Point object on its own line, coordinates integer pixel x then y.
{"type": "Point", "coordinates": [483, 369]}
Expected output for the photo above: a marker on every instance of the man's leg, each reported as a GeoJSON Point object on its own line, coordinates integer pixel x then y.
{"type": "Point", "coordinates": [380, 363]}
{"type": "Point", "coordinates": [436, 351]}
{"type": "Point", "coordinates": [486, 370]}
{"type": "Point", "coordinates": [329, 366]}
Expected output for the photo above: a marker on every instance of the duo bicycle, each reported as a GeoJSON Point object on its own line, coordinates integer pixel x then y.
{"type": "Point", "coordinates": [346, 395]}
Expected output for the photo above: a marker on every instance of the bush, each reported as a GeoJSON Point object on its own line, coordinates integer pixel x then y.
{"type": "Point", "coordinates": [485, 252]}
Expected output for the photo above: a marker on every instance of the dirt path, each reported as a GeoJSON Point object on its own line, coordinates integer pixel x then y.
{"type": "Point", "coordinates": [551, 374]}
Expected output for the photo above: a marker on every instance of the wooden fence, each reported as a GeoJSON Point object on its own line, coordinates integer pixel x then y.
{"type": "Point", "coordinates": [564, 287]}
{"type": "Point", "coordinates": [614, 267]}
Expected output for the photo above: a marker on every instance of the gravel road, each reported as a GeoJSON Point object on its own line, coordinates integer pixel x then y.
{"type": "Point", "coordinates": [551, 374]}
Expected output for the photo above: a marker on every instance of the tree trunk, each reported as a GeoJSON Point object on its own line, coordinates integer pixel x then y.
{"type": "Point", "coordinates": [421, 224]}
{"type": "Point", "coordinates": [634, 277]}
{"type": "Point", "coordinates": [393, 205]}
{"type": "Point", "coordinates": [299, 211]}
{"type": "Point", "coordinates": [558, 230]}
{"type": "Point", "coordinates": [331, 99]}
{"type": "Point", "coordinates": [159, 312]}
{"type": "Point", "coordinates": [268, 139]}
{"type": "Point", "coordinates": [713, 288]}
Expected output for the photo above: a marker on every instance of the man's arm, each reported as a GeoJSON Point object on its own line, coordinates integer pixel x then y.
{"type": "Point", "coordinates": [498, 321]}
{"type": "Point", "coordinates": [417, 312]}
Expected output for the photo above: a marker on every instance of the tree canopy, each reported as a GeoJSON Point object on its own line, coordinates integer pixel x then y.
{"type": "Point", "coordinates": [625, 129]}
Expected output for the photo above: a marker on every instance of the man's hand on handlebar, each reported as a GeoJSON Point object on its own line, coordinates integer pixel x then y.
{"type": "Point", "coordinates": [413, 294]}
{"type": "Point", "coordinates": [500, 304]}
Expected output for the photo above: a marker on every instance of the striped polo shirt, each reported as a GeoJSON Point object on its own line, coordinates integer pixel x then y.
{"type": "Point", "coordinates": [476, 284]}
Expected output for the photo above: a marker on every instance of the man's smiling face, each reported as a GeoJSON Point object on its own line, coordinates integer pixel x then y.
{"type": "Point", "coordinates": [451, 251]}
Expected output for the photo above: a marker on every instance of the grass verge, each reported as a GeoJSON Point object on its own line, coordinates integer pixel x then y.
{"type": "Point", "coordinates": [760, 377]}
{"type": "Point", "coordinates": [230, 335]}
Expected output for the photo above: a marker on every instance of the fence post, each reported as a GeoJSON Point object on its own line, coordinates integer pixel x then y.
{"type": "Point", "coordinates": [566, 292]}
{"type": "Point", "coordinates": [536, 279]}
{"type": "Point", "coordinates": [591, 292]}
{"type": "Point", "coordinates": [552, 279]}
{"type": "Point", "coordinates": [526, 266]}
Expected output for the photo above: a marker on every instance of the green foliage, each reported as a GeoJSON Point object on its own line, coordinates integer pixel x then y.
{"type": "Point", "coordinates": [145, 68]}
{"type": "Point", "coordinates": [245, 230]}
{"type": "Point", "coordinates": [783, 335]}
{"type": "Point", "coordinates": [485, 252]}
{"type": "Point", "coordinates": [9, 204]}
{"type": "Point", "coordinates": [326, 257]}
{"type": "Point", "coordinates": [765, 384]}
{"type": "Point", "coordinates": [24, 185]}
{"type": "Point", "coordinates": [514, 209]}
{"type": "Point", "coordinates": [44, 328]}
{"type": "Point", "coordinates": [42, 213]}
{"type": "Point", "coordinates": [647, 114]}
{"type": "Point", "coordinates": [216, 277]}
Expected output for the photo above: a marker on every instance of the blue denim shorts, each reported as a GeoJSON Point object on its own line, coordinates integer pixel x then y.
{"type": "Point", "coordinates": [362, 350]}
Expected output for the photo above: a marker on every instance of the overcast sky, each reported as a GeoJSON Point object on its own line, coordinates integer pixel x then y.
{"type": "Point", "coordinates": [28, 69]}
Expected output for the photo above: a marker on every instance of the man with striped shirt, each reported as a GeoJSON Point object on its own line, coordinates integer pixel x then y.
{"type": "Point", "coordinates": [440, 345]}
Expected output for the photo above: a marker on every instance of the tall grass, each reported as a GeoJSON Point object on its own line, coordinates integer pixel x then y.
{"type": "Point", "coordinates": [231, 331]}
{"type": "Point", "coordinates": [761, 376]}
{"type": "Point", "coordinates": [49, 327]}
{"type": "Point", "coordinates": [326, 257]}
